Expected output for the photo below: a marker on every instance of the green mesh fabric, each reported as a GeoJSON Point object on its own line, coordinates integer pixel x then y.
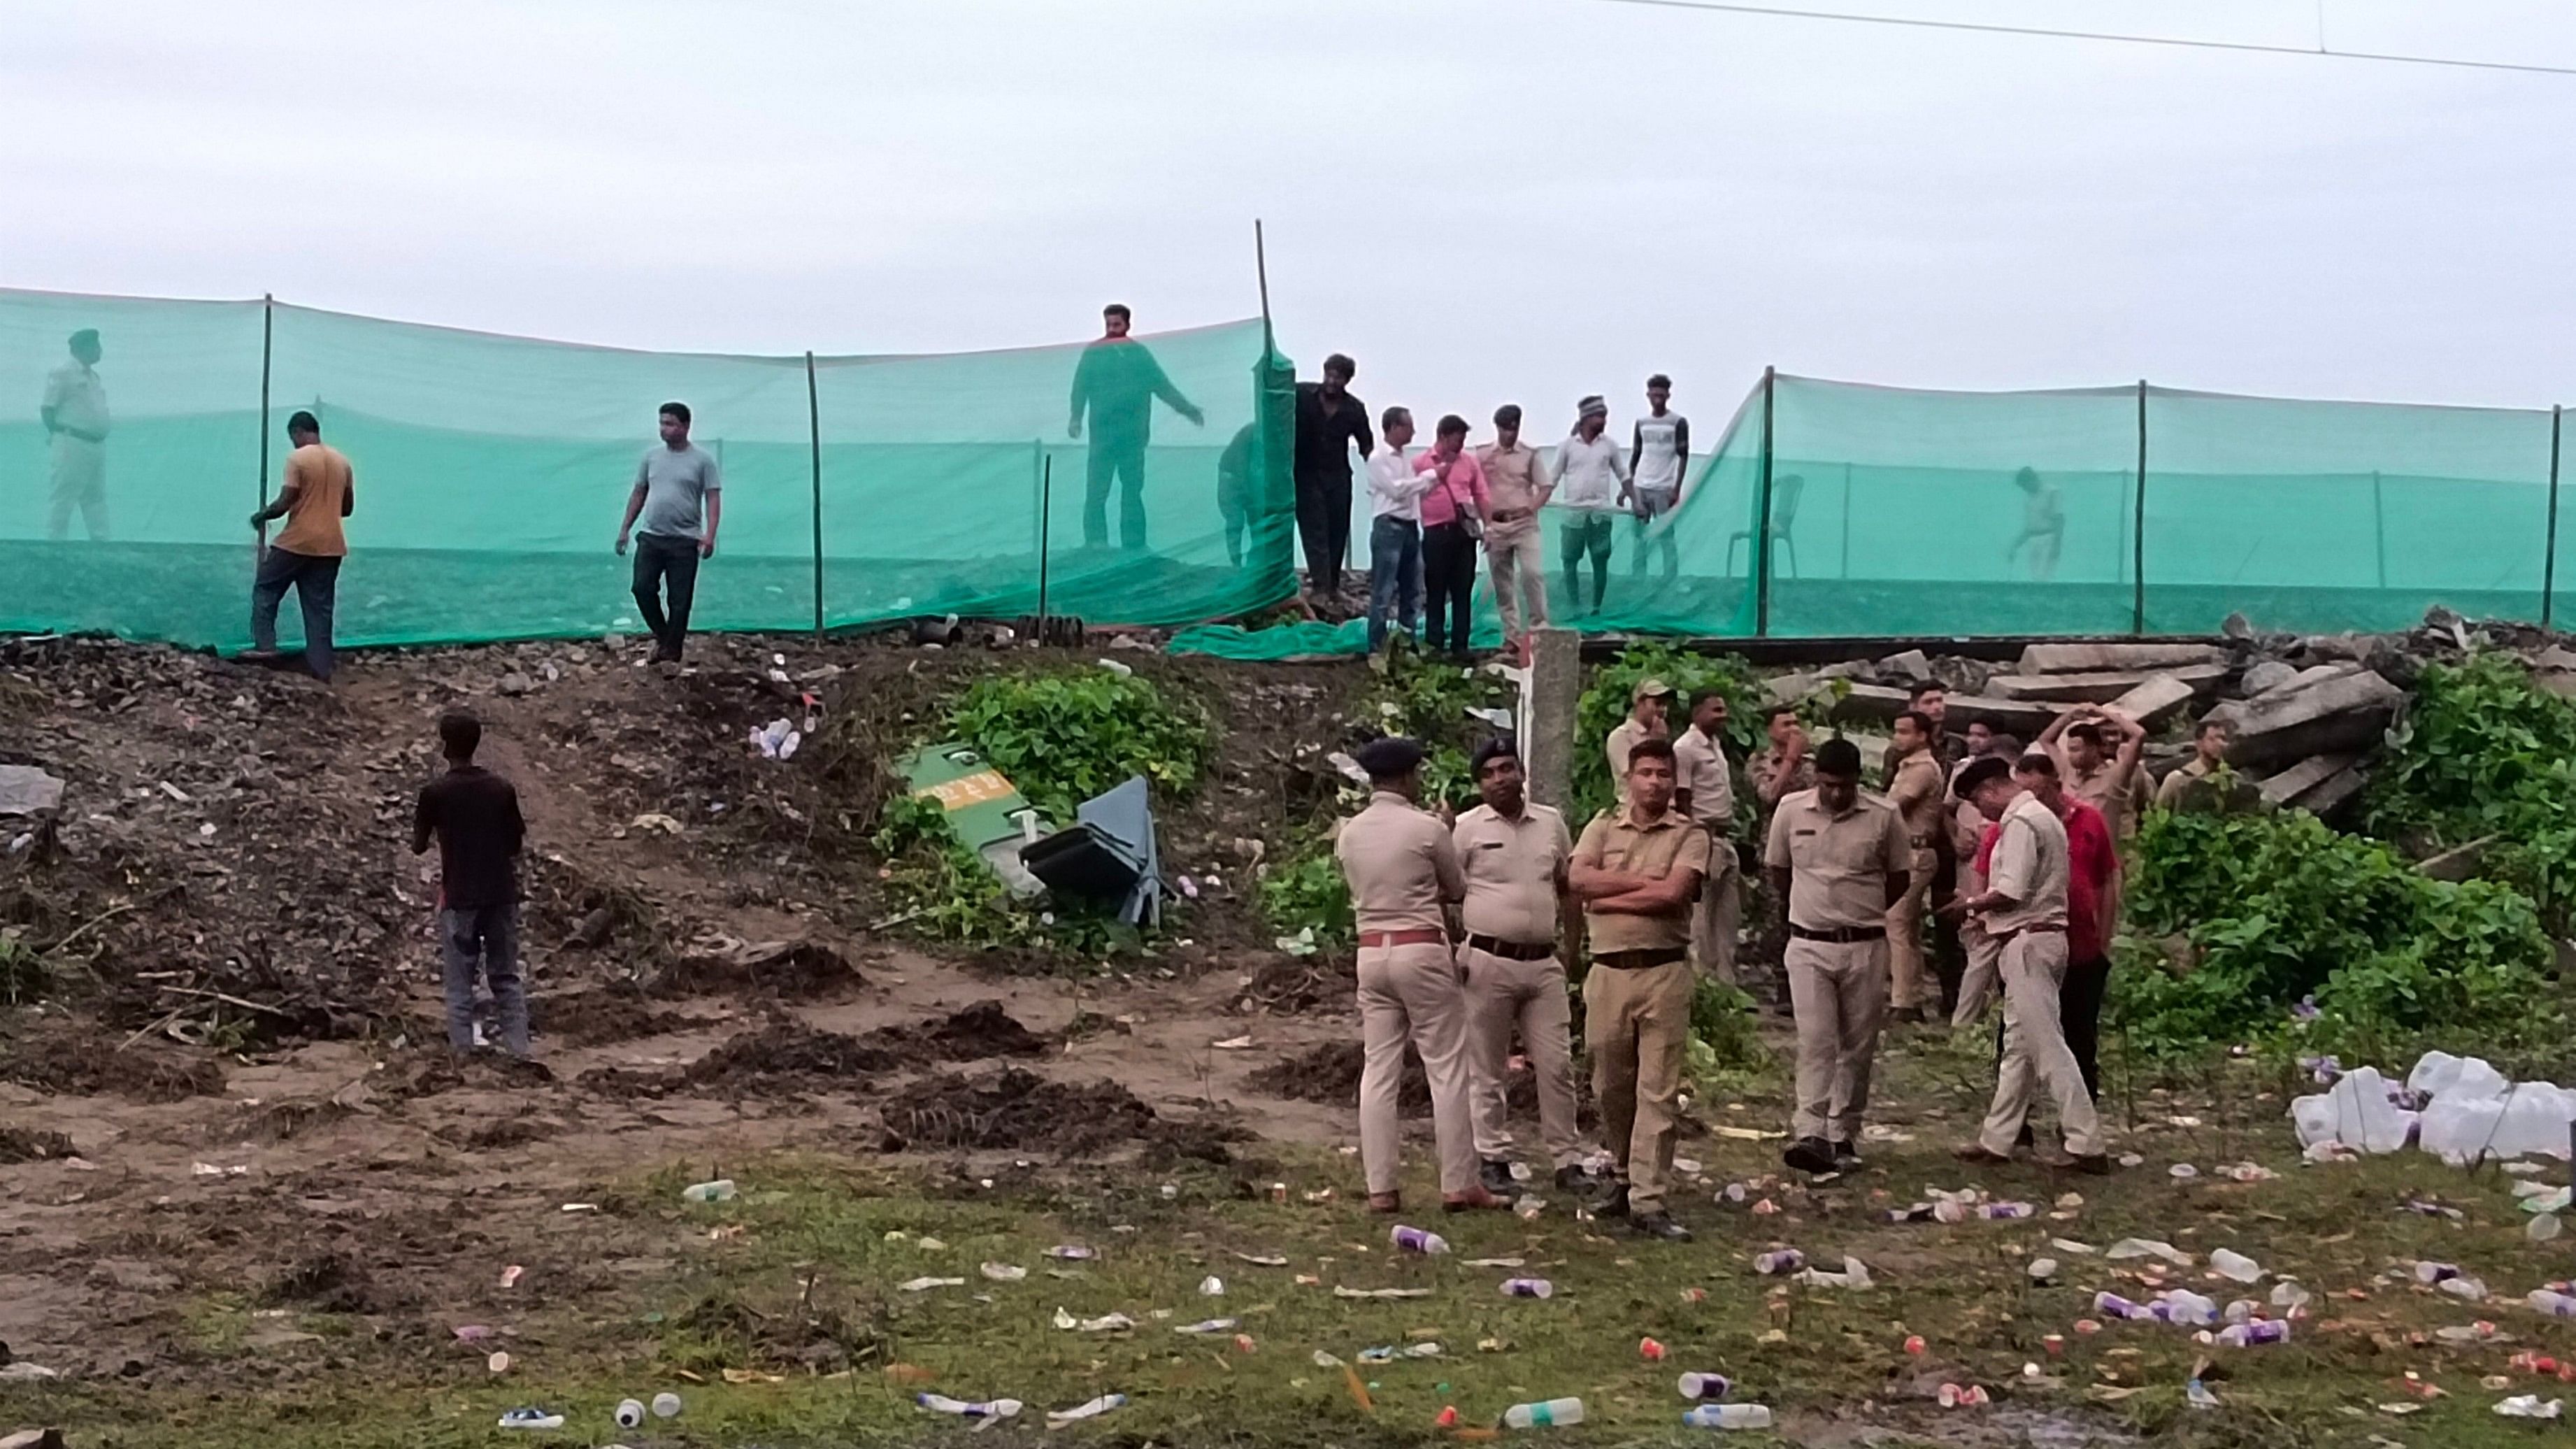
{"type": "Point", "coordinates": [1901, 512]}
{"type": "Point", "coordinates": [491, 473]}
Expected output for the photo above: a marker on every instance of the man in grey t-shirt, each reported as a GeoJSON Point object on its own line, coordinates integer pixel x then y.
{"type": "Point", "coordinates": [675, 485]}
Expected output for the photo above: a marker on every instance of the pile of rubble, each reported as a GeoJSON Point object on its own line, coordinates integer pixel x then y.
{"type": "Point", "coordinates": [2306, 710]}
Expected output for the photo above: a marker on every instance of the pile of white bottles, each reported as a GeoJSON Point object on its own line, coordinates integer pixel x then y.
{"type": "Point", "coordinates": [2460, 1109]}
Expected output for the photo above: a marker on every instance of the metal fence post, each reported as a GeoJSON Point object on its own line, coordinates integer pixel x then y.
{"type": "Point", "coordinates": [2138, 526]}
{"type": "Point", "coordinates": [2549, 559]}
{"type": "Point", "coordinates": [1761, 551]}
{"type": "Point", "coordinates": [267, 332]}
{"type": "Point", "coordinates": [814, 425]}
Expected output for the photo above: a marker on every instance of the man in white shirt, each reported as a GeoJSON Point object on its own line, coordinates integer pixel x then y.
{"type": "Point", "coordinates": [1395, 532]}
{"type": "Point", "coordinates": [1658, 456]}
{"type": "Point", "coordinates": [1592, 486]}
{"type": "Point", "coordinates": [2024, 908]}
{"type": "Point", "coordinates": [74, 412]}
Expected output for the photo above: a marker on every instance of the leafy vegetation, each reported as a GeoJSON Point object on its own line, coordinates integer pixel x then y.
{"type": "Point", "coordinates": [23, 976]}
{"type": "Point", "coordinates": [1307, 893]}
{"type": "Point", "coordinates": [1065, 737]}
{"type": "Point", "coordinates": [2268, 909]}
{"type": "Point", "coordinates": [1430, 701]}
{"type": "Point", "coordinates": [2483, 752]}
{"type": "Point", "coordinates": [1607, 701]}
{"type": "Point", "coordinates": [1725, 1037]}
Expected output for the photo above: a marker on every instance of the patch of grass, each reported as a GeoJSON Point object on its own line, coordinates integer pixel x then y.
{"type": "Point", "coordinates": [1064, 737]}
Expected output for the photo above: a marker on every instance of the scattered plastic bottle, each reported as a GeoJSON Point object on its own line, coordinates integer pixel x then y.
{"type": "Point", "coordinates": [1212, 1286]}
{"type": "Point", "coordinates": [2428, 1273]}
{"type": "Point", "coordinates": [2240, 1311]}
{"type": "Point", "coordinates": [2182, 1306]}
{"type": "Point", "coordinates": [2553, 1303]}
{"type": "Point", "coordinates": [1706, 1387]}
{"type": "Point", "coordinates": [2007, 1211]}
{"type": "Point", "coordinates": [1072, 1253]}
{"type": "Point", "coordinates": [1417, 1240]}
{"type": "Point", "coordinates": [531, 1419]}
{"type": "Point", "coordinates": [1089, 1409]}
{"type": "Point", "coordinates": [1528, 1288]}
{"type": "Point", "coordinates": [1921, 1212]}
{"type": "Point", "coordinates": [2260, 1331]}
{"type": "Point", "coordinates": [666, 1406]}
{"type": "Point", "coordinates": [2112, 1305]}
{"type": "Point", "coordinates": [630, 1414]}
{"type": "Point", "coordinates": [2230, 1264]}
{"type": "Point", "coordinates": [1779, 1264]}
{"type": "Point", "coordinates": [1555, 1413]}
{"type": "Point", "coordinates": [983, 1409]}
{"type": "Point", "coordinates": [720, 1190]}
{"type": "Point", "coordinates": [1728, 1416]}
{"type": "Point", "coordinates": [2472, 1289]}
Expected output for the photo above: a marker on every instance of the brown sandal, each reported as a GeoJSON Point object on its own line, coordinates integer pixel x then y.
{"type": "Point", "coordinates": [1386, 1202]}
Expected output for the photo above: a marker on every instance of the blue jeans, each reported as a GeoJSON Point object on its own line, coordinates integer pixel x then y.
{"type": "Point", "coordinates": [316, 581]}
{"type": "Point", "coordinates": [1395, 575]}
{"type": "Point", "coordinates": [483, 940]}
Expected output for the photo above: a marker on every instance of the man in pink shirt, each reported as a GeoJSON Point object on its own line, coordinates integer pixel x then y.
{"type": "Point", "coordinates": [1453, 517]}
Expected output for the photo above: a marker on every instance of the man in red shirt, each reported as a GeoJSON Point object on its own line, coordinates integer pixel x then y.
{"type": "Point", "coordinates": [2092, 905]}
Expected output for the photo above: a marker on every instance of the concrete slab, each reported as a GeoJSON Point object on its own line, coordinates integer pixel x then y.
{"type": "Point", "coordinates": [2100, 686]}
{"type": "Point", "coordinates": [2345, 714]}
{"type": "Point", "coordinates": [2288, 787]}
{"type": "Point", "coordinates": [2095, 658]}
{"type": "Point", "coordinates": [1881, 702]}
{"type": "Point", "coordinates": [2158, 698]}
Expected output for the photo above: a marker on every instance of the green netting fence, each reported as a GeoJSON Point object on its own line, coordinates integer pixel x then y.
{"type": "Point", "coordinates": [492, 471]}
{"type": "Point", "coordinates": [1903, 512]}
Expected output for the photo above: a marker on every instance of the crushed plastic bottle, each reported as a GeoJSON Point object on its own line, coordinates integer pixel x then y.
{"type": "Point", "coordinates": [1416, 1240]}
{"type": "Point", "coordinates": [1528, 1288]}
{"type": "Point", "coordinates": [720, 1190]}
{"type": "Point", "coordinates": [2005, 1212]}
{"type": "Point", "coordinates": [1706, 1388]}
{"type": "Point", "coordinates": [2473, 1290]}
{"type": "Point", "coordinates": [2112, 1305]}
{"type": "Point", "coordinates": [2427, 1272]}
{"type": "Point", "coordinates": [2250, 1335]}
{"type": "Point", "coordinates": [2233, 1265]}
{"type": "Point", "coordinates": [2528, 1406]}
{"type": "Point", "coordinates": [1554, 1413]}
{"type": "Point", "coordinates": [2183, 1307]}
{"type": "Point", "coordinates": [1728, 1416]}
{"type": "Point", "coordinates": [2555, 1304]}
{"type": "Point", "coordinates": [1208, 1325]}
{"type": "Point", "coordinates": [1088, 1409]}
{"type": "Point", "coordinates": [1212, 1286]}
{"type": "Point", "coordinates": [1779, 1264]}
{"type": "Point", "coordinates": [531, 1419]}
{"type": "Point", "coordinates": [983, 1409]}
{"type": "Point", "coordinates": [2287, 1294]}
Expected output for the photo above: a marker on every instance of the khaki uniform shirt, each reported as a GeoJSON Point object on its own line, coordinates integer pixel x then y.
{"type": "Point", "coordinates": [1701, 765]}
{"type": "Point", "coordinates": [1916, 793]}
{"type": "Point", "coordinates": [1623, 738]}
{"type": "Point", "coordinates": [1512, 867]}
{"type": "Point", "coordinates": [1515, 480]}
{"type": "Point", "coordinates": [2112, 790]}
{"type": "Point", "coordinates": [2169, 794]}
{"type": "Point", "coordinates": [1614, 842]}
{"type": "Point", "coordinates": [1838, 864]}
{"type": "Point", "coordinates": [1400, 865]}
{"type": "Point", "coordinates": [2030, 866]}
{"type": "Point", "coordinates": [1766, 762]}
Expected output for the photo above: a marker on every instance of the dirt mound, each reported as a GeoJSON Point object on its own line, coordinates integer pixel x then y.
{"type": "Point", "coordinates": [1291, 986]}
{"type": "Point", "coordinates": [430, 1070]}
{"type": "Point", "coordinates": [499, 1135]}
{"type": "Point", "coordinates": [1013, 1108]}
{"type": "Point", "coordinates": [331, 1283]}
{"type": "Point", "coordinates": [605, 1016]}
{"type": "Point", "coordinates": [979, 1031]}
{"type": "Point", "coordinates": [77, 1063]}
{"type": "Point", "coordinates": [23, 1144]}
{"type": "Point", "coordinates": [797, 970]}
{"type": "Point", "coordinates": [1331, 1074]}
{"type": "Point", "coordinates": [790, 1049]}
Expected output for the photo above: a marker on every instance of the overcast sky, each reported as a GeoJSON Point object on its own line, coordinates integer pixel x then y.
{"type": "Point", "coordinates": [1483, 200]}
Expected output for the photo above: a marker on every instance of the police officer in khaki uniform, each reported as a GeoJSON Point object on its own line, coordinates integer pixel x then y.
{"type": "Point", "coordinates": [1648, 705]}
{"type": "Point", "coordinates": [1706, 793]}
{"type": "Point", "coordinates": [1839, 860]}
{"type": "Point", "coordinates": [2096, 749]}
{"type": "Point", "coordinates": [1402, 869]}
{"type": "Point", "coordinates": [1917, 787]}
{"type": "Point", "coordinates": [1514, 854]}
{"type": "Point", "coordinates": [1638, 869]}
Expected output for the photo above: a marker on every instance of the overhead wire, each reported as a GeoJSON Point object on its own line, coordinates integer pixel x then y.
{"type": "Point", "coordinates": [1788, 12]}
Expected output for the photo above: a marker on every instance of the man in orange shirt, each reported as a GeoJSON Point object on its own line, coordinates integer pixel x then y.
{"type": "Point", "coordinates": [320, 490]}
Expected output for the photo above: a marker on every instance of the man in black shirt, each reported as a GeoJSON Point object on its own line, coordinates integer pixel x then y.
{"type": "Point", "coordinates": [475, 815]}
{"type": "Point", "coordinates": [1329, 420]}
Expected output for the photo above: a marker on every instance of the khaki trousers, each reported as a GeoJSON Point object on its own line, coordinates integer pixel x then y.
{"type": "Point", "coordinates": [1519, 562]}
{"type": "Point", "coordinates": [2033, 966]}
{"type": "Point", "coordinates": [1635, 1026]}
{"type": "Point", "coordinates": [1838, 991]}
{"type": "Point", "coordinates": [1909, 983]}
{"type": "Point", "coordinates": [1410, 993]}
{"type": "Point", "coordinates": [1718, 916]}
{"type": "Point", "coordinates": [1501, 994]}
{"type": "Point", "coordinates": [1979, 984]}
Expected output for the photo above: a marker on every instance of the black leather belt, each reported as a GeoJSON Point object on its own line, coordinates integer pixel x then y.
{"type": "Point", "coordinates": [1512, 950]}
{"type": "Point", "coordinates": [1840, 935]}
{"type": "Point", "coordinates": [1641, 960]}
